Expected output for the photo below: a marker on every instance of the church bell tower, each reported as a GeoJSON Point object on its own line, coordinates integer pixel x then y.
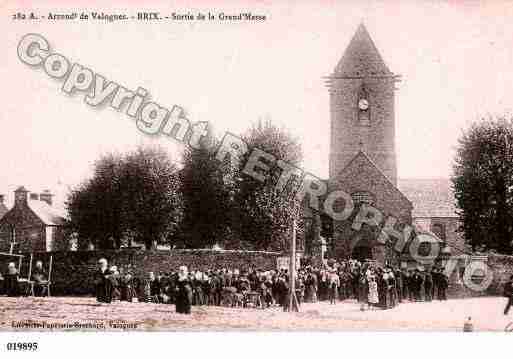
{"type": "Point", "coordinates": [362, 114]}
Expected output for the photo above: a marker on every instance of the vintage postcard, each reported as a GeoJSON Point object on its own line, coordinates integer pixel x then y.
{"type": "Point", "coordinates": [217, 166]}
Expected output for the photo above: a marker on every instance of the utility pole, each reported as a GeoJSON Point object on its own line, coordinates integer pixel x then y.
{"type": "Point", "coordinates": [293, 303]}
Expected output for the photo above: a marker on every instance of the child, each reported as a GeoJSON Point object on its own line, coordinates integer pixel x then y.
{"type": "Point", "coordinates": [334, 283]}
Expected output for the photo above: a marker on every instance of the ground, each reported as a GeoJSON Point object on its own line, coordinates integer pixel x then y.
{"type": "Point", "coordinates": [486, 313]}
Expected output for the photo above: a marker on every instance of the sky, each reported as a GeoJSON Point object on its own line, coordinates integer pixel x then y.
{"type": "Point", "coordinates": [455, 59]}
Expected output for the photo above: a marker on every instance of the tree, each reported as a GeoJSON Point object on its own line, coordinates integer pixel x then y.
{"type": "Point", "coordinates": [263, 216]}
{"type": "Point", "coordinates": [206, 198]}
{"type": "Point", "coordinates": [483, 185]}
{"type": "Point", "coordinates": [151, 196]}
{"type": "Point", "coordinates": [133, 195]}
{"type": "Point", "coordinates": [95, 207]}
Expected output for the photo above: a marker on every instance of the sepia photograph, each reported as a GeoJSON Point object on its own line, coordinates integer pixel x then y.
{"type": "Point", "coordinates": [255, 166]}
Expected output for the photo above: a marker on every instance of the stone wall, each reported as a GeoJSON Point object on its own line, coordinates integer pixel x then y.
{"type": "Point", "coordinates": [72, 271]}
{"type": "Point", "coordinates": [502, 267]}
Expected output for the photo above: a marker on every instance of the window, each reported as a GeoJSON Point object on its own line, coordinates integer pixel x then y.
{"type": "Point", "coordinates": [439, 230]}
{"type": "Point", "coordinates": [363, 197]}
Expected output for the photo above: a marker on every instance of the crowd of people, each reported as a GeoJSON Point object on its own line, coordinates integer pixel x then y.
{"type": "Point", "coordinates": [11, 283]}
{"type": "Point", "coordinates": [371, 285]}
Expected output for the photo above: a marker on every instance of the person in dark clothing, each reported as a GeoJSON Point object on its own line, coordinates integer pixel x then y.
{"type": "Point", "coordinates": [126, 287]}
{"type": "Point", "coordinates": [114, 279]}
{"type": "Point", "coordinates": [443, 283]}
{"type": "Point", "coordinates": [392, 288]}
{"type": "Point", "coordinates": [508, 292]}
{"type": "Point", "coordinates": [102, 283]}
{"type": "Point", "coordinates": [434, 276]}
{"type": "Point", "coordinates": [253, 280]}
{"type": "Point", "coordinates": [172, 282]}
{"type": "Point", "coordinates": [217, 288]}
{"type": "Point", "coordinates": [206, 285]}
{"type": "Point", "coordinates": [406, 285]}
{"type": "Point", "coordinates": [411, 286]}
{"type": "Point", "coordinates": [417, 285]}
{"type": "Point", "coordinates": [40, 279]}
{"type": "Point", "coordinates": [399, 285]}
{"type": "Point", "coordinates": [283, 290]}
{"type": "Point", "coordinates": [11, 284]}
{"type": "Point", "coordinates": [382, 289]}
{"type": "Point", "coordinates": [311, 287]}
{"type": "Point", "coordinates": [428, 287]}
{"type": "Point", "coordinates": [183, 292]}
{"type": "Point", "coordinates": [155, 288]}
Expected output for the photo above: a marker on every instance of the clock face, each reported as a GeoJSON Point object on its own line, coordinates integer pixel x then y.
{"type": "Point", "coordinates": [363, 104]}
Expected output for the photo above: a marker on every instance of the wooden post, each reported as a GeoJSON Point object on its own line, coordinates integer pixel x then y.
{"type": "Point", "coordinates": [293, 303]}
{"type": "Point", "coordinates": [49, 276]}
{"type": "Point", "coordinates": [30, 266]}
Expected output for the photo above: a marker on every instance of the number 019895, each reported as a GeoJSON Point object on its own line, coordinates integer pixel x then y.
{"type": "Point", "coordinates": [22, 347]}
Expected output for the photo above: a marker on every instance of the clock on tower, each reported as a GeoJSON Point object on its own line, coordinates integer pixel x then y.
{"type": "Point", "coordinates": [363, 108]}
{"type": "Point", "coordinates": [362, 96]}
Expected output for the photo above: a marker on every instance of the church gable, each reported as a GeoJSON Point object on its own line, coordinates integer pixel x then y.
{"type": "Point", "coordinates": [364, 181]}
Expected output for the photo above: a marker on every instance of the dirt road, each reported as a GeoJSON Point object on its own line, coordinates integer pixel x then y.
{"type": "Point", "coordinates": [69, 314]}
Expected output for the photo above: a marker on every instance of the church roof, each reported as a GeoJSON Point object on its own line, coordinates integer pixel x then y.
{"type": "Point", "coordinates": [361, 57]}
{"type": "Point", "coordinates": [362, 156]}
{"type": "Point", "coordinates": [430, 197]}
{"type": "Point", "coordinates": [48, 214]}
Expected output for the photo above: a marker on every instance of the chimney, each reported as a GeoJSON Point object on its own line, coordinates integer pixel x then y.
{"type": "Point", "coordinates": [34, 196]}
{"type": "Point", "coordinates": [46, 196]}
{"type": "Point", "coordinates": [20, 196]}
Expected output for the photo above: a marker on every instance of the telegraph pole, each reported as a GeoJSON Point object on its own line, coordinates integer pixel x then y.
{"type": "Point", "coordinates": [293, 303]}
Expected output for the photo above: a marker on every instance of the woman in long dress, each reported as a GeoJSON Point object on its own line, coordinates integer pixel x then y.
{"type": "Point", "coordinates": [183, 292]}
{"type": "Point", "coordinates": [102, 283]}
{"type": "Point", "coordinates": [11, 285]}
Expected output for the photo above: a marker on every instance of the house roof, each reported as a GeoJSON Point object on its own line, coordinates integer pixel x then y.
{"type": "Point", "coordinates": [3, 210]}
{"type": "Point", "coordinates": [430, 197]}
{"type": "Point", "coordinates": [49, 215]}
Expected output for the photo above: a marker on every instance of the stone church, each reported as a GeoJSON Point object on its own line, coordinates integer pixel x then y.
{"type": "Point", "coordinates": [362, 160]}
